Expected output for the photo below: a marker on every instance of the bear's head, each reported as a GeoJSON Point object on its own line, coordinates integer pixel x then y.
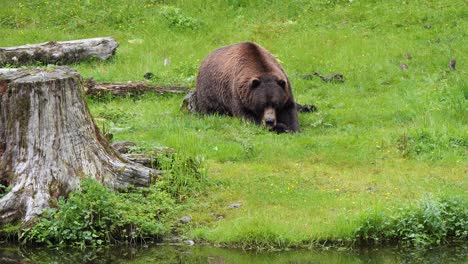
{"type": "Point", "coordinates": [265, 96]}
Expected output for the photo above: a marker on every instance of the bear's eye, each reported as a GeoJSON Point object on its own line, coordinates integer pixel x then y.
{"type": "Point", "coordinates": [255, 83]}
{"type": "Point", "coordinates": [281, 83]}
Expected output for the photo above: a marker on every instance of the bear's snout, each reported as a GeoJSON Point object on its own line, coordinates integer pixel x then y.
{"type": "Point", "coordinates": [269, 117]}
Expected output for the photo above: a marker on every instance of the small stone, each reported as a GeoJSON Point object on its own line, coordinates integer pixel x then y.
{"type": "Point", "coordinates": [404, 67]}
{"type": "Point", "coordinates": [166, 62]}
{"type": "Point", "coordinates": [189, 242]}
{"type": "Point", "coordinates": [185, 219]}
{"type": "Point", "coordinates": [234, 205]}
{"type": "Point", "coordinates": [219, 217]}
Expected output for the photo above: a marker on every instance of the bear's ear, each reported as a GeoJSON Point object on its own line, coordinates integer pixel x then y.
{"type": "Point", "coordinates": [281, 83]}
{"type": "Point", "coordinates": [255, 83]}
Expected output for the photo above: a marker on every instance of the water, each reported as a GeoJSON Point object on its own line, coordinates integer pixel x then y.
{"type": "Point", "coordinates": [212, 255]}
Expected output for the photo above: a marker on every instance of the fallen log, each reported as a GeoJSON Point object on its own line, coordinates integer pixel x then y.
{"type": "Point", "coordinates": [129, 88]}
{"type": "Point", "coordinates": [61, 53]}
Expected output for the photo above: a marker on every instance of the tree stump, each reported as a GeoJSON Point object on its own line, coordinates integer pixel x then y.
{"type": "Point", "coordinates": [49, 142]}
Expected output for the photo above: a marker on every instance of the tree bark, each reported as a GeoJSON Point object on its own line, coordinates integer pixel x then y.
{"type": "Point", "coordinates": [64, 52]}
{"type": "Point", "coordinates": [49, 141]}
{"type": "Point", "coordinates": [129, 88]}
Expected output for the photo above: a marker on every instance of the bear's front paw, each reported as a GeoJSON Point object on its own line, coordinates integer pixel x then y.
{"type": "Point", "coordinates": [280, 128]}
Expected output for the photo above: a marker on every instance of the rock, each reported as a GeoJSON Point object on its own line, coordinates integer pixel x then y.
{"type": "Point", "coordinates": [404, 67]}
{"type": "Point", "coordinates": [185, 219]}
{"type": "Point", "coordinates": [219, 217]}
{"type": "Point", "coordinates": [234, 205]}
{"type": "Point", "coordinates": [189, 242]}
{"type": "Point", "coordinates": [166, 62]}
{"type": "Point", "coordinates": [123, 147]}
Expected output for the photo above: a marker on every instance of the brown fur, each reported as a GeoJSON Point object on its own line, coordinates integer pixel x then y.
{"type": "Point", "coordinates": [244, 80]}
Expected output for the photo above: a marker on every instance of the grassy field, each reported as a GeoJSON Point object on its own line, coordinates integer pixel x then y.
{"type": "Point", "coordinates": [384, 139]}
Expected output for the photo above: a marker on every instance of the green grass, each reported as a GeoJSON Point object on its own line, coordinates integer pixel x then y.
{"type": "Point", "coordinates": [380, 141]}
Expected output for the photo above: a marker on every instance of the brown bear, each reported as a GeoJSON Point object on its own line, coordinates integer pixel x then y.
{"type": "Point", "coordinates": [245, 80]}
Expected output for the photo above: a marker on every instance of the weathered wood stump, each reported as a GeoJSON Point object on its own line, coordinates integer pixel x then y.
{"type": "Point", "coordinates": [49, 141]}
{"type": "Point", "coordinates": [63, 52]}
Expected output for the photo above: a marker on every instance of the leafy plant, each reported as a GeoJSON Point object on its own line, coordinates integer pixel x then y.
{"type": "Point", "coordinates": [87, 218]}
{"type": "Point", "coordinates": [177, 19]}
{"type": "Point", "coordinates": [95, 216]}
{"type": "Point", "coordinates": [431, 223]}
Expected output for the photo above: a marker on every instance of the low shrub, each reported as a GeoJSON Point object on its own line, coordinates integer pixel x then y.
{"type": "Point", "coordinates": [94, 216]}
{"type": "Point", "coordinates": [178, 19]}
{"type": "Point", "coordinates": [432, 222]}
{"type": "Point", "coordinates": [88, 218]}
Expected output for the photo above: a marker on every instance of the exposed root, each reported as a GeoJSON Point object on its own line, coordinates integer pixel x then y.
{"type": "Point", "coordinates": [10, 207]}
